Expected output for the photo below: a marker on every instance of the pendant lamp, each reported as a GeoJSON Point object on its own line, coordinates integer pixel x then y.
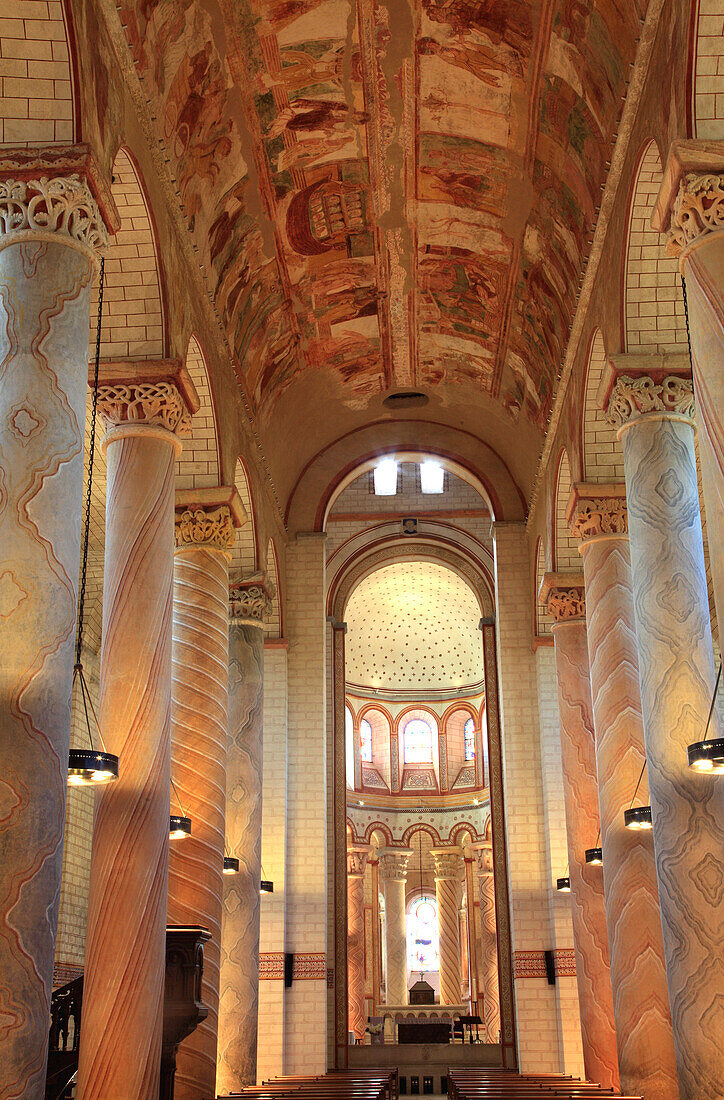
{"type": "Point", "coordinates": [638, 817]}
{"type": "Point", "coordinates": [708, 755]}
{"type": "Point", "coordinates": [179, 824]}
{"type": "Point", "coordinates": [563, 884]}
{"type": "Point", "coordinates": [91, 767]}
{"type": "Point", "coordinates": [231, 865]}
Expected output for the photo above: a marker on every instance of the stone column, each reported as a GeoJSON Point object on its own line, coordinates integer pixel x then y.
{"type": "Point", "coordinates": [447, 890]}
{"type": "Point", "coordinates": [205, 521]}
{"type": "Point", "coordinates": [598, 517]}
{"type": "Point", "coordinates": [563, 595]}
{"type": "Point", "coordinates": [356, 863]}
{"type": "Point", "coordinates": [676, 672]}
{"type": "Point", "coordinates": [691, 206]}
{"type": "Point", "coordinates": [489, 995]}
{"type": "Point", "coordinates": [145, 406]}
{"type": "Point", "coordinates": [51, 235]}
{"type": "Point", "coordinates": [249, 603]}
{"type": "Point", "coordinates": [472, 937]}
{"type": "Point", "coordinates": [393, 872]}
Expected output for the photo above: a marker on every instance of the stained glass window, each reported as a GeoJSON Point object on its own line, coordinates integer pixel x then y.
{"type": "Point", "coordinates": [348, 745]}
{"type": "Point", "coordinates": [417, 742]}
{"type": "Point", "coordinates": [469, 734]}
{"type": "Point", "coordinates": [423, 952]}
{"type": "Point", "coordinates": [365, 741]}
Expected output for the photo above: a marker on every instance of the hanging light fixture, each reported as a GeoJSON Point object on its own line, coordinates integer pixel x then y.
{"type": "Point", "coordinates": [708, 755]}
{"type": "Point", "coordinates": [638, 817]}
{"type": "Point", "coordinates": [594, 857]}
{"type": "Point", "coordinates": [563, 885]}
{"type": "Point", "coordinates": [89, 767]}
{"type": "Point", "coordinates": [266, 886]}
{"type": "Point", "coordinates": [231, 865]}
{"type": "Point", "coordinates": [179, 824]}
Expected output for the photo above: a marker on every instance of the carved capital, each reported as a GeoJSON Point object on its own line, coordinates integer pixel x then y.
{"type": "Point", "coordinates": [250, 599]}
{"type": "Point", "coordinates": [698, 209]}
{"type": "Point", "coordinates": [483, 859]}
{"type": "Point", "coordinates": [632, 398]}
{"type": "Point", "coordinates": [448, 862]}
{"type": "Point", "coordinates": [200, 526]}
{"type": "Point", "coordinates": [63, 206]}
{"type": "Point", "coordinates": [357, 859]}
{"type": "Point", "coordinates": [393, 864]}
{"type": "Point", "coordinates": [597, 510]}
{"type": "Point", "coordinates": [563, 596]}
{"type": "Point", "coordinates": [156, 393]}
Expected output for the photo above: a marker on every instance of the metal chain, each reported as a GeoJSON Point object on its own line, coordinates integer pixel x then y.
{"type": "Point", "coordinates": [91, 454]}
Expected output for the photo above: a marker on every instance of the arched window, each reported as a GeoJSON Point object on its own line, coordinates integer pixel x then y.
{"type": "Point", "coordinates": [349, 746]}
{"type": "Point", "coordinates": [417, 742]}
{"type": "Point", "coordinates": [469, 735]}
{"type": "Point", "coordinates": [365, 741]}
{"type": "Point", "coordinates": [423, 951]}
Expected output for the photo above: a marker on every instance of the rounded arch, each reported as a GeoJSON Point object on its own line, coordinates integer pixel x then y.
{"type": "Point", "coordinates": [245, 548]}
{"type": "Point", "coordinates": [420, 827]}
{"type": "Point", "coordinates": [543, 621]}
{"type": "Point", "coordinates": [453, 708]}
{"type": "Point", "coordinates": [38, 39]}
{"type": "Point", "coordinates": [134, 317]}
{"type": "Point", "coordinates": [464, 826]}
{"type": "Point", "coordinates": [352, 834]}
{"type": "Point", "coordinates": [274, 625]}
{"type": "Point", "coordinates": [706, 72]}
{"type": "Point", "coordinates": [602, 454]}
{"type": "Point", "coordinates": [198, 465]}
{"type": "Point", "coordinates": [379, 827]}
{"type": "Point", "coordinates": [565, 547]}
{"type": "Point", "coordinates": [651, 294]}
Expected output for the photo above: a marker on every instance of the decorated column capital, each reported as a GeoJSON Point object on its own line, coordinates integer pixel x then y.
{"type": "Point", "coordinates": [55, 193]}
{"type": "Point", "coordinates": [448, 862]}
{"type": "Point", "coordinates": [690, 204]}
{"type": "Point", "coordinates": [137, 397]}
{"type": "Point", "coordinates": [563, 596]}
{"type": "Point", "coordinates": [597, 510]}
{"type": "Point", "coordinates": [357, 856]}
{"type": "Point", "coordinates": [483, 855]}
{"type": "Point", "coordinates": [207, 518]}
{"type": "Point", "coordinates": [250, 599]}
{"type": "Point", "coordinates": [635, 396]}
{"type": "Point", "coordinates": [393, 864]}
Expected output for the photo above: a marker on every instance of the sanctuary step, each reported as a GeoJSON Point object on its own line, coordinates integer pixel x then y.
{"type": "Point", "coordinates": [502, 1084]}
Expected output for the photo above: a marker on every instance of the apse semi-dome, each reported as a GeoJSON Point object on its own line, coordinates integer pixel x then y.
{"type": "Point", "coordinates": [413, 626]}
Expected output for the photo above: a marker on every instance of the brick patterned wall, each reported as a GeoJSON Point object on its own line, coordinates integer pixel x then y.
{"type": "Point", "coordinates": [306, 909]}
{"type": "Point", "coordinates": [536, 1009]}
{"type": "Point", "coordinates": [708, 83]}
{"type": "Point", "coordinates": [198, 463]}
{"type": "Point", "coordinates": [567, 558]}
{"type": "Point", "coordinates": [654, 302]}
{"type": "Point", "coordinates": [602, 454]}
{"type": "Point", "coordinates": [274, 625]}
{"type": "Point", "coordinates": [543, 621]}
{"type": "Point", "coordinates": [244, 553]}
{"type": "Point", "coordinates": [36, 93]}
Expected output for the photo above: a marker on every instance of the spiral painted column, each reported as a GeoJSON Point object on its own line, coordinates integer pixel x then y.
{"type": "Point", "coordinates": [46, 266]}
{"type": "Point", "coordinates": [448, 864]}
{"type": "Point", "coordinates": [205, 521]}
{"type": "Point", "coordinates": [694, 205]}
{"type": "Point", "coordinates": [564, 597]}
{"type": "Point", "coordinates": [144, 407]}
{"type": "Point", "coordinates": [638, 974]}
{"type": "Point", "coordinates": [676, 673]}
{"type": "Point", "coordinates": [356, 1015]}
{"type": "Point", "coordinates": [249, 602]}
{"type": "Point", "coordinates": [488, 941]}
{"type": "Point", "coordinates": [393, 872]}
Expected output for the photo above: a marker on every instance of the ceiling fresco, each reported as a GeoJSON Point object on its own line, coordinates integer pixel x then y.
{"type": "Point", "coordinates": [401, 194]}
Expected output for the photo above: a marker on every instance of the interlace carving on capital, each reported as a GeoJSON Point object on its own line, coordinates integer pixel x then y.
{"type": "Point", "coordinates": [251, 598]}
{"type": "Point", "coordinates": [205, 527]}
{"type": "Point", "coordinates": [55, 204]}
{"type": "Point", "coordinates": [698, 209]}
{"type": "Point", "coordinates": [605, 516]}
{"type": "Point", "coordinates": [565, 604]}
{"type": "Point", "coordinates": [356, 861]}
{"type": "Point", "coordinates": [152, 403]}
{"type": "Point", "coordinates": [634, 397]}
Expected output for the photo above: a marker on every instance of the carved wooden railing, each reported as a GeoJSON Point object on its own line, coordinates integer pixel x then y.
{"type": "Point", "coordinates": [183, 1011]}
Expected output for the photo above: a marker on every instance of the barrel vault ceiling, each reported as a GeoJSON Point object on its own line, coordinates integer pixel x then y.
{"type": "Point", "coordinates": [390, 195]}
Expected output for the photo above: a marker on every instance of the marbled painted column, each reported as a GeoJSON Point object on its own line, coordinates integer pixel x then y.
{"type": "Point", "coordinates": [144, 406]}
{"type": "Point", "coordinates": [448, 864]}
{"type": "Point", "coordinates": [647, 1065]}
{"type": "Point", "coordinates": [393, 872]}
{"type": "Point", "coordinates": [239, 984]}
{"type": "Point", "coordinates": [205, 521]}
{"type": "Point", "coordinates": [51, 232]}
{"type": "Point", "coordinates": [564, 597]}
{"type": "Point", "coordinates": [676, 672]}
{"type": "Point", "coordinates": [490, 996]}
{"type": "Point", "coordinates": [693, 202]}
{"type": "Point", "coordinates": [472, 937]}
{"type": "Point", "coordinates": [356, 1015]}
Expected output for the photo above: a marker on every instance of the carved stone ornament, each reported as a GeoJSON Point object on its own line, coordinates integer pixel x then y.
{"type": "Point", "coordinates": [484, 861]}
{"type": "Point", "coordinates": [698, 209]}
{"type": "Point", "coordinates": [199, 527]}
{"type": "Point", "coordinates": [565, 604]}
{"type": "Point", "coordinates": [605, 516]}
{"type": "Point", "coordinates": [251, 598]}
{"type": "Point", "coordinates": [157, 404]}
{"type": "Point", "coordinates": [52, 204]}
{"type": "Point", "coordinates": [634, 397]}
{"type": "Point", "coordinates": [393, 866]}
{"type": "Point", "coordinates": [447, 864]}
{"type": "Point", "coordinates": [357, 860]}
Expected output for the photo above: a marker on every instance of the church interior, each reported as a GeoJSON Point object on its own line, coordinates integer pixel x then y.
{"type": "Point", "coordinates": [361, 549]}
